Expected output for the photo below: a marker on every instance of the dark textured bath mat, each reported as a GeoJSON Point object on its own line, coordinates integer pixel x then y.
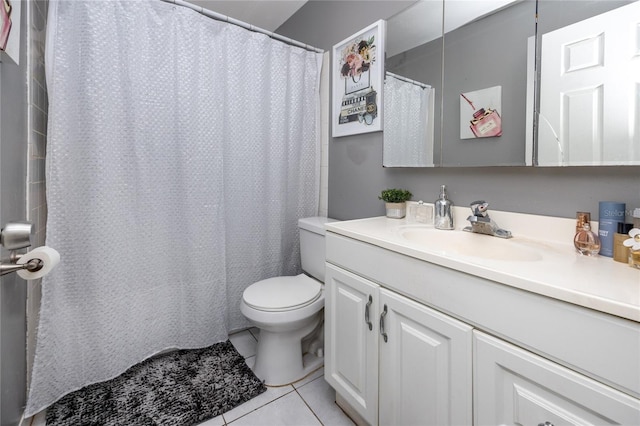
{"type": "Point", "coordinates": [185, 387]}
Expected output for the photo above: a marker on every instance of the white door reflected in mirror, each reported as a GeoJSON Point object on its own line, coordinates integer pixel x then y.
{"type": "Point", "coordinates": [590, 92]}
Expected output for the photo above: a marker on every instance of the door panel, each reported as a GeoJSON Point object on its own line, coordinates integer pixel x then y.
{"type": "Point", "coordinates": [13, 289]}
{"type": "Point", "coordinates": [351, 345]}
{"type": "Point", "coordinates": [589, 91]}
{"type": "Point", "coordinates": [425, 366]}
{"type": "Point", "coordinates": [515, 387]}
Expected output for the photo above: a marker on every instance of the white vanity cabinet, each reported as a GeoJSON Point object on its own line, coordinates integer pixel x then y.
{"type": "Point", "coordinates": [515, 387]}
{"type": "Point", "coordinates": [425, 365]}
{"type": "Point", "coordinates": [393, 360]}
{"type": "Point", "coordinates": [351, 340]}
{"type": "Point", "coordinates": [463, 349]}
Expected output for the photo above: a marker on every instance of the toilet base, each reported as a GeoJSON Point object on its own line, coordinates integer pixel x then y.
{"type": "Point", "coordinates": [279, 357]}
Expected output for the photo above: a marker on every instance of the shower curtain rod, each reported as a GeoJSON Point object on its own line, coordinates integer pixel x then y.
{"type": "Point", "coordinates": [408, 80]}
{"type": "Point", "coordinates": [221, 17]}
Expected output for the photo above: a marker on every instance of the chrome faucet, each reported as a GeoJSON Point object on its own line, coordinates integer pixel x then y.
{"type": "Point", "coordinates": [481, 223]}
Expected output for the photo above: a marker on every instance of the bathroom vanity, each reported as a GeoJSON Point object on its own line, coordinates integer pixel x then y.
{"type": "Point", "coordinates": [425, 326]}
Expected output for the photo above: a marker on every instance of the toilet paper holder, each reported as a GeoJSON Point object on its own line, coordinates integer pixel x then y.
{"type": "Point", "coordinates": [15, 236]}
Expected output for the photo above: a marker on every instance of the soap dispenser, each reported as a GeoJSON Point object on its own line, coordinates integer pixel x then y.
{"type": "Point", "coordinates": [443, 211]}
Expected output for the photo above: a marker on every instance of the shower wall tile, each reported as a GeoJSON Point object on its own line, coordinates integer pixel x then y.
{"type": "Point", "coordinates": [37, 106]}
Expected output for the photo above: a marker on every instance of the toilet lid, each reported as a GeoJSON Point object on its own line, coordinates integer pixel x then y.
{"type": "Point", "coordinates": [282, 293]}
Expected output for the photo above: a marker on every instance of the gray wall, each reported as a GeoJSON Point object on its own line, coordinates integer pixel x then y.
{"type": "Point", "coordinates": [356, 175]}
{"type": "Point", "coordinates": [13, 290]}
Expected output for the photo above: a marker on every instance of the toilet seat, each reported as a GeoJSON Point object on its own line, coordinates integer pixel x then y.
{"type": "Point", "coordinates": [280, 294]}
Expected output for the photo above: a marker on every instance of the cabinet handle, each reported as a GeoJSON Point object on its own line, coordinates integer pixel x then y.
{"type": "Point", "coordinates": [366, 313]}
{"type": "Point", "coordinates": [382, 315]}
{"type": "Point", "coordinates": [545, 424]}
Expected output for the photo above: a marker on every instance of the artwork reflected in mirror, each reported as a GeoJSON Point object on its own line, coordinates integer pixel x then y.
{"type": "Point", "coordinates": [589, 96]}
{"type": "Point", "coordinates": [485, 60]}
{"type": "Point", "coordinates": [480, 113]}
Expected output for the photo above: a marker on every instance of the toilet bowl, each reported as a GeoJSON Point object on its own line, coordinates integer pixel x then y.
{"type": "Point", "coordinates": [289, 311]}
{"type": "Point", "coordinates": [279, 355]}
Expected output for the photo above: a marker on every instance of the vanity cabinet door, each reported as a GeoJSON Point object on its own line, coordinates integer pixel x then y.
{"type": "Point", "coordinates": [351, 340]}
{"type": "Point", "coordinates": [425, 365]}
{"type": "Point", "coordinates": [515, 387]}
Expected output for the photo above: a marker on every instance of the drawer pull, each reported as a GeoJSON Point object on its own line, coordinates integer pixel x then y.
{"type": "Point", "coordinates": [545, 424]}
{"type": "Point", "coordinates": [382, 315]}
{"type": "Point", "coordinates": [366, 313]}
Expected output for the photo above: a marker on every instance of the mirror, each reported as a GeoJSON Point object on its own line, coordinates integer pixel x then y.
{"type": "Point", "coordinates": [589, 83]}
{"type": "Point", "coordinates": [485, 82]}
{"type": "Point", "coordinates": [412, 86]}
{"type": "Point", "coordinates": [484, 47]}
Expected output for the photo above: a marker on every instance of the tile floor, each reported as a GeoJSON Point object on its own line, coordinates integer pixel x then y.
{"type": "Point", "coordinates": [311, 401]}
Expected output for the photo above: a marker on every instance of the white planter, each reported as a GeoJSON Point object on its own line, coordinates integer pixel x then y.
{"type": "Point", "coordinates": [396, 210]}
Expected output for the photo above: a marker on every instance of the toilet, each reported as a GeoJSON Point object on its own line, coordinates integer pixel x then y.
{"type": "Point", "coordinates": [289, 311]}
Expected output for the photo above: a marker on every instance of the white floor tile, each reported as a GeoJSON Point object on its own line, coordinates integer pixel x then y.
{"type": "Point", "coordinates": [244, 342]}
{"type": "Point", "coordinates": [39, 419]}
{"type": "Point", "coordinates": [255, 331]}
{"type": "Point", "coordinates": [321, 398]}
{"type": "Point", "coordinates": [251, 361]}
{"type": "Point", "coordinates": [288, 410]}
{"type": "Point", "coordinates": [257, 402]}
{"type": "Point", "coordinates": [311, 377]}
{"type": "Point", "coordinates": [216, 421]}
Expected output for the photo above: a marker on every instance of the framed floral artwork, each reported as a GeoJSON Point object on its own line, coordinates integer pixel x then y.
{"type": "Point", "coordinates": [358, 78]}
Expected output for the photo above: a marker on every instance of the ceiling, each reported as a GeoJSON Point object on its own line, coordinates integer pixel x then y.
{"type": "Point", "coordinates": [265, 14]}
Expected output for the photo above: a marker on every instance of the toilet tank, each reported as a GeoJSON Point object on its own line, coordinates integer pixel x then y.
{"type": "Point", "coordinates": [312, 251]}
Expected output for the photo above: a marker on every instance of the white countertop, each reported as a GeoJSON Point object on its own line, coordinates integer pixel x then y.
{"type": "Point", "coordinates": [558, 271]}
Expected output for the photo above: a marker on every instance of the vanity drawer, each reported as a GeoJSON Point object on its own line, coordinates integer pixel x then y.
{"type": "Point", "coordinates": [601, 346]}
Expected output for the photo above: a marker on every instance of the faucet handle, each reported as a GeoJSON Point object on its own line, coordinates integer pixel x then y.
{"type": "Point", "coordinates": [479, 208]}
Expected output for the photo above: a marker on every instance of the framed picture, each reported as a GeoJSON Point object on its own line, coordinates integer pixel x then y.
{"type": "Point", "coordinates": [358, 78]}
{"type": "Point", "coordinates": [480, 113]}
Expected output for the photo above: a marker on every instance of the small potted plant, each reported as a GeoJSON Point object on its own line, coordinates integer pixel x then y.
{"type": "Point", "coordinates": [395, 202]}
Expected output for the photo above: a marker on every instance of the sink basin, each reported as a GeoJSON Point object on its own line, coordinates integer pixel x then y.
{"type": "Point", "coordinates": [480, 246]}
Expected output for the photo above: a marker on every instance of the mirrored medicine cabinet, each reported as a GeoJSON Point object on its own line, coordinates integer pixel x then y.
{"type": "Point", "coordinates": [465, 79]}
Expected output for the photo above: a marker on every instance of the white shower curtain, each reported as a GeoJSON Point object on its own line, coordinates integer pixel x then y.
{"type": "Point", "coordinates": [408, 126]}
{"type": "Point", "coordinates": [181, 152]}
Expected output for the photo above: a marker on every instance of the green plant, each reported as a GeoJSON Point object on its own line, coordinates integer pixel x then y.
{"type": "Point", "coordinates": [395, 195]}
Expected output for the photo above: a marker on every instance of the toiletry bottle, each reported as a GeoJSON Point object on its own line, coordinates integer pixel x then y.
{"type": "Point", "coordinates": [620, 252]}
{"type": "Point", "coordinates": [443, 211]}
{"type": "Point", "coordinates": [610, 214]}
{"type": "Point", "coordinates": [581, 219]}
{"type": "Point", "coordinates": [586, 241]}
{"type": "Point", "coordinates": [634, 259]}
{"type": "Point", "coordinates": [424, 213]}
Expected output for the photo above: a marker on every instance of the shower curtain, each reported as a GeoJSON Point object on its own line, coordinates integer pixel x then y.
{"type": "Point", "coordinates": [408, 135]}
{"type": "Point", "coordinates": [181, 152]}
